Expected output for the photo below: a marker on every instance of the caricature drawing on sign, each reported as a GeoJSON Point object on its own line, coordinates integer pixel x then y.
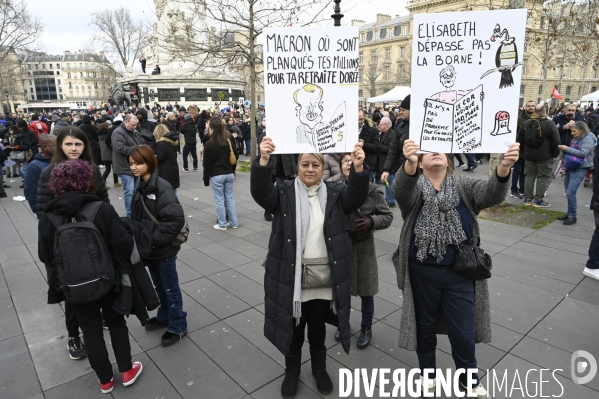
{"type": "Point", "coordinates": [452, 117]}
{"type": "Point", "coordinates": [322, 136]}
{"type": "Point", "coordinates": [502, 123]}
{"type": "Point", "coordinates": [506, 59]}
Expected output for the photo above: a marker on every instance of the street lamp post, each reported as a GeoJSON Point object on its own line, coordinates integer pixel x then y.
{"type": "Point", "coordinates": [337, 16]}
{"type": "Point", "coordinates": [7, 103]}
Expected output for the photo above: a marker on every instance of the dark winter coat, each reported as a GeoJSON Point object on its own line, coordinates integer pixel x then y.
{"type": "Point", "coordinates": [548, 149]}
{"type": "Point", "coordinates": [201, 125]}
{"type": "Point", "coordinates": [370, 134]}
{"type": "Point", "coordinates": [34, 144]}
{"type": "Point", "coordinates": [332, 168]}
{"type": "Point", "coordinates": [565, 136]}
{"type": "Point", "coordinates": [122, 142]}
{"type": "Point", "coordinates": [19, 143]}
{"type": "Point", "coordinates": [166, 155]}
{"type": "Point", "coordinates": [289, 164]}
{"type": "Point", "coordinates": [45, 195]}
{"type": "Point", "coordinates": [395, 157]}
{"type": "Point", "coordinates": [216, 159]}
{"type": "Point", "coordinates": [162, 203]}
{"type": "Point", "coordinates": [91, 131]}
{"type": "Point", "coordinates": [364, 266]}
{"type": "Point", "coordinates": [386, 142]}
{"type": "Point", "coordinates": [279, 275]}
{"type": "Point", "coordinates": [189, 130]}
{"type": "Point", "coordinates": [32, 178]}
{"type": "Point", "coordinates": [105, 150]}
{"type": "Point", "coordinates": [107, 221]}
{"type": "Point", "coordinates": [246, 130]}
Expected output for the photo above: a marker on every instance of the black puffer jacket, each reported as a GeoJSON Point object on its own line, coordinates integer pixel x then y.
{"type": "Point", "coordinates": [395, 156]}
{"type": "Point", "coordinates": [370, 134]}
{"type": "Point", "coordinates": [91, 131]}
{"type": "Point", "coordinates": [189, 130]}
{"type": "Point", "coordinates": [45, 195]}
{"type": "Point", "coordinates": [166, 155]}
{"type": "Point", "coordinates": [19, 143]}
{"type": "Point", "coordinates": [161, 201]}
{"type": "Point", "coordinates": [280, 271]}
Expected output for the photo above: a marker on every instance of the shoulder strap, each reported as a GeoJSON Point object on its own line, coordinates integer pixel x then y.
{"type": "Point", "coordinates": [230, 146]}
{"type": "Point", "coordinates": [148, 212]}
{"type": "Point", "coordinates": [89, 211]}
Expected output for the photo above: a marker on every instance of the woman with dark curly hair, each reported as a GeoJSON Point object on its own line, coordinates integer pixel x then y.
{"type": "Point", "coordinates": [74, 183]}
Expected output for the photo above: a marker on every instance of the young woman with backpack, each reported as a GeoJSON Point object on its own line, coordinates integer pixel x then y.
{"type": "Point", "coordinates": [74, 184]}
{"type": "Point", "coordinates": [157, 208]}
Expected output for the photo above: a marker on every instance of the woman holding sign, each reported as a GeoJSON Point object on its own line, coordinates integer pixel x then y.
{"type": "Point", "coordinates": [439, 211]}
{"type": "Point", "coordinates": [307, 269]}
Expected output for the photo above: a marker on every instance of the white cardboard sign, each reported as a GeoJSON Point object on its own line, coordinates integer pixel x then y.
{"type": "Point", "coordinates": [466, 73]}
{"type": "Point", "coordinates": [311, 87]}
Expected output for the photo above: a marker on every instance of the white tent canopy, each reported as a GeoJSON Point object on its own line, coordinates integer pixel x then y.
{"type": "Point", "coordinates": [396, 94]}
{"type": "Point", "coordinates": [591, 97]}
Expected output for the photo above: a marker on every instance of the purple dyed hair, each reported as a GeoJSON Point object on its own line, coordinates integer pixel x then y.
{"type": "Point", "coordinates": [73, 175]}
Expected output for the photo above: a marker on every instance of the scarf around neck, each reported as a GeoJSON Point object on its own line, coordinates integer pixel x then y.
{"type": "Point", "coordinates": [439, 223]}
{"type": "Point", "coordinates": [302, 222]}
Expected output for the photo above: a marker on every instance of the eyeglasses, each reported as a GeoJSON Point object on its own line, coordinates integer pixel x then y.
{"type": "Point", "coordinates": [347, 162]}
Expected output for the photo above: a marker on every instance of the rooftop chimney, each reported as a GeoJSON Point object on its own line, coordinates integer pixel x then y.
{"type": "Point", "coordinates": [357, 22]}
{"type": "Point", "coordinates": [382, 18]}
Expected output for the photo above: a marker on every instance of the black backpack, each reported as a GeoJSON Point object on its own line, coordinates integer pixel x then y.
{"type": "Point", "coordinates": [84, 270]}
{"type": "Point", "coordinates": [533, 136]}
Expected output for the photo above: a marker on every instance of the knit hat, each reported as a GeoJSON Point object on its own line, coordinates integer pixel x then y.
{"type": "Point", "coordinates": [103, 113]}
{"type": "Point", "coordinates": [405, 104]}
{"type": "Point", "coordinates": [55, 118]}
{"type": "Point", "coordinates": [118, 118]}
{"type": "Point", "coordinates": [188, 117]}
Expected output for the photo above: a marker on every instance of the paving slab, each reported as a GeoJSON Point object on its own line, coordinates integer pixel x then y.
{"type": "Point", "coordinates": [16, 368]}
{"type": "Point", "coordinates": [200, 262]}
{"type": "Point", "coordinates": [34, 312]}
{"type": "Point", "coordinates": [215, 299]}
{"type": "Point", "coordinates": [224, 254]}
{"type": "Point", "coordinates": [254, 271]}
{"type": "Point", "coordinates": [10, 326]}
{"type": "Point", "coordinates": [273, 390]}
{"type": "Point", "coordinates": [239, 285]}
{"type": "Point", "coordinates": [87, 383]}
{"type": "Point", "coordinates": [24, 278]}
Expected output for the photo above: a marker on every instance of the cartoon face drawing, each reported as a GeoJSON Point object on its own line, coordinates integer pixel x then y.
{"type": "Point", "coordinates": [309, 105]}
{"type": "Point", "coordinates": [447, 77]}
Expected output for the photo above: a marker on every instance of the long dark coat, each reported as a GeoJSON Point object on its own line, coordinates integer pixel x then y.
{"type": "Point", "coordinates": [279, 275]}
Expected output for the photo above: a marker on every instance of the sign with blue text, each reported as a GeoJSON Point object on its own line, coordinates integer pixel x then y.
{"type": "Point", "coordinates": [466, 73]}
{"type": "Point", "coordinates": [311, 78]}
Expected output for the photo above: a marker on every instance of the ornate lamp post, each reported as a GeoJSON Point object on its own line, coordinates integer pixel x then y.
{"type": "Point", "coordinates": [337, 16]}
{"type": "Point", "coordinates": [7, 103]}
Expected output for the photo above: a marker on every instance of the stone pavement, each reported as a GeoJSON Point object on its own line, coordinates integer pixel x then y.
{"type": "Point", "coordinates": [543, 309]}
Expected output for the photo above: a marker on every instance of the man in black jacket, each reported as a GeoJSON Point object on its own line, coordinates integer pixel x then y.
{"type": "Point", "coordinates": [592, 267]}
{"type": "Point", "coordinates": [91, 131]}
{"type": "Point", "coordinates": [189, 130]}
{"type": "Point", "coordinates": [387, 137]}
{"type": "Point", "coordinates": [395, 157]}
{"type": "Point", "coordinates": [370, 135]}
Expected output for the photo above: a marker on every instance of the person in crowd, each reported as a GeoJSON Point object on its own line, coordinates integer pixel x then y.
{"type": "Point", "coordinates": [538, 151]}
{"type": "Point", "coordinates": [284, 167]}
{"type": "Point", "coordinates": [156, 206]}
{"type": "Point", "coordinates": [203, 119]}
{"type": "Point", "coordinates": [369, 135]}
{"type": "Point", "coordinates": [3, 185]}
{"type": "Point", "coordinates": [116, 122]}
{"type": "Point", "coordinates": [439, 212]}
{"type": "Point", "coordinates": [395, 157]}
{"type": "Point", "coordinates": [592, 119]}
{"type": "Point", "coordinates": [17, 144]}
{"type": "Point", "coordinates": [582, 145]}
{"type": "Point", "coordinates": [91, 131]}
{"type": "Point", "coordinates": [565, 122]}
{"type": "Point", "coordinates": [156, 70]}
{"type": "Point", "coordinates": [22, 124]}
{"type": "Point", "coordinates": [592, 266]}
{"type": "Point", "coordinates": [373, 215]}
{"type": "Point", "coordinates": [142, 61]}
{"type": "Point", "coordinates": [246, 134]}
{"type": "Point", "coordinates": [34, 170]}
{"type": "Point", "coordinates": [332, 171]}
{"type": "Point", "coordinates": [235, 132]}
{"type": "Point", "coordinates": [123, 139]}
{"type": "Point", "coordinates": [260, 132]}
{"type": "Point", "coordinates": [74, 183]}
{"type": "Point", "coordinates": [218, 172]}
{"type": "Point", "coordinates": [387, 137]}
{"type": "Point", "coordinates": [189, 131]}
{"type": "Point", "coordinates": [145, 127]}
{"type": "Point", "coordinates": [167, 144]}
{"type": "Point", "coordinates": [518, 176]}
{"type": "Point", "coordinates": [106, 153]}
{"type": "Point", "coordinates": [307, 236]}
{"type": "Point", "coordinates": [39, 127]}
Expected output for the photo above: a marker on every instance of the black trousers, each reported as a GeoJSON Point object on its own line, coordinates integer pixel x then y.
{"type": "Point", "coordinates": [314, 314]}
{"type": "Point", "coordinates": [187, 148]}
{"type": "Point", "coordinates": [108, 165]}
{"type": "Point", "coordinates": [71, 319]}
{"type": "Point", "coordinates": [91, 325]}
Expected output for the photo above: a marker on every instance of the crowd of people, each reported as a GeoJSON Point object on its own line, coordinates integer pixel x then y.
{"type": "Point", "coordinates": [324, 211]}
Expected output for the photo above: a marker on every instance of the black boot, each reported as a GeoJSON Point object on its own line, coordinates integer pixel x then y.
{"type": "Point", "coordinates": [319, 371]}
{"type": "Point", "coordinates": [365, 337]}
{"type": "Point", "coordinates": [267, 216]}
{"type": "Point", "coordinates": [293, 366]}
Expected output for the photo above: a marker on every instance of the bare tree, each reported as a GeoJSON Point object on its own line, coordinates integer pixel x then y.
{"type": "Point", "coordinates": [584, 37]}
{"type": "Point", "coordinates": [19, 31]}
{"type": "Point", "coordinates": [119, 36]}
{"type": "Point", "coordinates": [371, 70]}
{"type": "Point", "coordinates": [212, 33]}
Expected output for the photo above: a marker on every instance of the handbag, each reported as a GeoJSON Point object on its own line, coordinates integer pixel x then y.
{"type": "Point", "coordinates": [471, 261]}
{"type": "Point", "coordinates": [573, 162]}
{"type": "Point", "coordinates": [17, 156]}
{"type": "Point", "coordinates": [232, 159]}
{"type": "Point", "coordinates": [316, 273]}
{"type": "Point", "coordinates": [181, 238]}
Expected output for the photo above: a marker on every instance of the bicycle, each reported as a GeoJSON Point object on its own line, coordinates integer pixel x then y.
{"type": "Point", "coordinates": [558, 166]}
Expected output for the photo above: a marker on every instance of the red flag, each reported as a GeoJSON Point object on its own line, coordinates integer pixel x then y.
{"type": "Point", "coordinates": [555, 93]}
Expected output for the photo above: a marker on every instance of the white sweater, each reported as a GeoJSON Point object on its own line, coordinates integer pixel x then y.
{"type": "Point", "coordinates": [315, 243]}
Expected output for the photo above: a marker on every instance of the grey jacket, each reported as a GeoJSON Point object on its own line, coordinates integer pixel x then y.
{"type": "Point", "coordinates": [104, 149]}
{"type": "Point", "coordinates": [587, 149]}
{"type": "Point", "coordinates": [362, 254]}
{"type": "Point", "coordinates": [332, 168]}
{"type": "Point", "coordinates": [477, 194]}
{"type": "Point", "coordinates": [122, 141]}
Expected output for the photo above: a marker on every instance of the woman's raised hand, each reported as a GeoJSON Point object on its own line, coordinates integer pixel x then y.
{"type": "Point", "coordinates": [511, 156]}
{"type": "Point", "coordinates": [267, 146]}
{"type": "Point", "coordinates": [410, 148]}
{"type": "Point", "coordinates": [357, 156]}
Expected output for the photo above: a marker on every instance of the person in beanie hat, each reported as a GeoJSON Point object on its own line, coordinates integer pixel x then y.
{"type": "Point", "coordinates": [395, 156]}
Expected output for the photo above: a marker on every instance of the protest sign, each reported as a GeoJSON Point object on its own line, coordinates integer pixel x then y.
{"type": "Point", "coordinates": [466, 73]}
{"type": "Point", "coordinates": [311, 84]}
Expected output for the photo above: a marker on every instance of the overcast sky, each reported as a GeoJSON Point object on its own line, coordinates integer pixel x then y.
{"type": "Point", "coordinates": [66, 26]}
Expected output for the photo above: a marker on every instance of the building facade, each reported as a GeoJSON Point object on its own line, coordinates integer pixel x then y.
{"type": "Point", "coordinates": [12, 91]}
{"type": "Point", "coordinates": [386, 47]}
{"type": "Point", "coordinates": [71, 77]}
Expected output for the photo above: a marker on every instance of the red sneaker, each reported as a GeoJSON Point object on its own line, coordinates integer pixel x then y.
{"type": "Point", "coordinates": [130, 376]}
{"type": "Point", "coordinates": [107, 388]}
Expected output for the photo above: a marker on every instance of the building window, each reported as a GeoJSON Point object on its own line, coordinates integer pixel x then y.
{"type": "Point", "coordinates": [58, 81]}
{"type": "Point", "coordinates": [522, 90]}
{"type": "Point", "coordinates": [31, 89]}
{"type": "Point", "coordinates": [90, 94]}
{"type": "Point", "coordinates": [524, 67]}
{"type": "Point", "coordinates": [95, 85]}
{"type": "Point", "coordinates": [57, 66]}
{"type": "Point", "coordinates": [360, 72]}
{"type": "Point", "coordinates": [81, 74]}
{"type": "Point", "coordinates": [401, 71]}
{"type": "Point", "coordinates": [402, 53]}
{"type": "Point", "coordinates": [43, 66]}
{"type": "Point", "coordinates": [388, 54]}
{"type": "Point", "coordinates": [80, 65]}
{"type": "Point", "coordinates": [387, 73]}
{"type": "Point", "coordinates": [593, 89]}
{"type": "Point", "coordinates": [541, 90]}
{"type": "Point", "coordinates": [362, 37]}
{"type": "Point", "coordinates": [405, 29]}
{"type": "Point", "coordinates": [69, 75]}
{"type": "Point", "coordinates": [361, 57]}
{"type": "Point", "coordinates": [568, 93]}
{"type": "Point", "coordinates": [68, 65]}
{"type": "Point", "coordinates": [70, 85]}
{"type": "Point", "coordinates": [30, 83]}
{"type": "Point", "coordinates": [374, 57]}
{"type": "Point", "coordinates": [32, 97]}
{"type": "Point", "coordinates": [97, 94]}
{"type": "Point", "coordinates": [557, 71]}
{"type": "Point", "coordinates": [360, 93]}
{"type": "Point", "coordinates": [571, 71]}
{"type": "Point", "coordinates": [50, 66]}
{"type": "Point", "coordinates": [595, 71]}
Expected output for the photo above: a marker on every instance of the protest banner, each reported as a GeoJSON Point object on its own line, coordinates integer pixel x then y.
{"type": "Point", "coordinates": [472, 104]}
{"type": "Point", "coordinates": [311, 84]}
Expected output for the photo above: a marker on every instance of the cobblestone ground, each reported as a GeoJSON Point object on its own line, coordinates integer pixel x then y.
{"type": "Point", "coordinates": [543, 309]}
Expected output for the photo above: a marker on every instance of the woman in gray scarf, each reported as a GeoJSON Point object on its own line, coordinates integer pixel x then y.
{"type": "Point", "coordinates": [439, 211]}
{"type": "Point", "coordinates": [308, 231]}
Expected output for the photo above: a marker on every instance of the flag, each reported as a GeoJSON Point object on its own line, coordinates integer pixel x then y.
{"type": "Point", "coordinates": [555, 93]}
